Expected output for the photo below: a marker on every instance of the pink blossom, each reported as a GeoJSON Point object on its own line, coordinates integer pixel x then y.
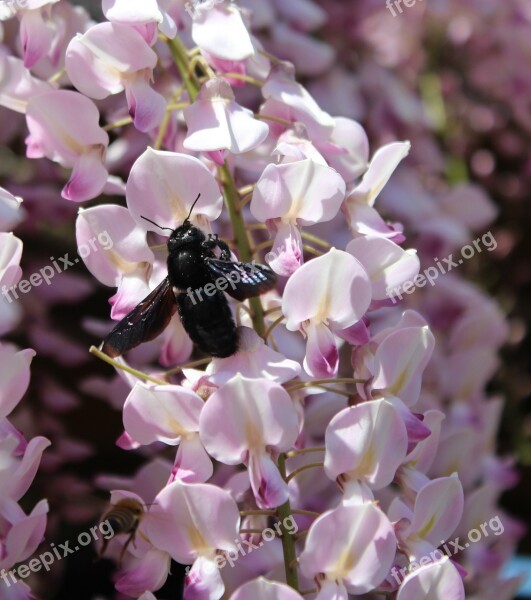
{"type": "Point", "coordinates": [216, 122]}
{"type": "Point", "coordinates": [438, 580]}
{"type": "Point", "coordinates": [110, 58]}
{"type": "Point", "coordinates": [327, 295]}
{"type": "Point", "coordinates": [169, 414]}
{"type": "Point", "coordinates": [221, 31]}
{"type": "Point", "coordinates": [64, 127]}
{"type": "Point", "coordinates": [15, 375]}
{"type": "Point", "coordinates": [261, 421]}
{"type": "Point", "coordinates": [163, 185]}
{"type": "Point", "coordinates": [286, 195]}
{"type": "Point", "coordinates": [350, 548]}
{"type": "Point", "coordinates": [144, 17]}
{"type": "Point", "coordinates": [365, 443]}
{"type": "Point", "coordinates": [18, 85]}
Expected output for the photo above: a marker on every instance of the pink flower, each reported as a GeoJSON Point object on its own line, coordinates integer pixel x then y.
{"type": "Point", "coordinates": [145, 17]}
{"type": "Point", "coordinates": [220, 31]}
{"type": "Point", "coordinates": [439, 580]}
{"type": "Point", "coordinates": [15, 376]}
{"type": "Point", "coordinates": [350, 548]}
{"type": "Point", "coordinates": [36, 32]}
{"type": "Point", "coordinates": [365, 443]}
{"type": "Point", "coordinates": [110, 58]}
{"type": "Point", "coordinates": [169, 414]}
{"type": "Point", "coordinates": [326, 296]}
{"type": "Point", "coordinates": [192, 521]}
{"type": "Point", "coordinates": [18, 85]}
{"type": "Point", "coordinates": [261, 420]}
{"type": "Point", "coordinates": [286, 195]}
{"type": "Point", "coordinates": [216, 122]}
{"type": "Point", "coordinates": [163, 185]}
{"type": "Point", "coordinates": [64, 127]}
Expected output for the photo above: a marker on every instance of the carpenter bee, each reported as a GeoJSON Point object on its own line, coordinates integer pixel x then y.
{"type": "Point", "coordinates": [123, 517]}
{"type": "Point", "coordinates": [194, 287]}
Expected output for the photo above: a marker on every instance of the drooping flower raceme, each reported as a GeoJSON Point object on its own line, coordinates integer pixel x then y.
{"type": "Point", "coordinates": [350, 435]}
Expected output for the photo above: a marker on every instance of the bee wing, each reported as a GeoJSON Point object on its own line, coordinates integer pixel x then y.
{"type": "Point", "coordinates": [144, 323]}
{"type": "Point", "coordinates": [245, 279]}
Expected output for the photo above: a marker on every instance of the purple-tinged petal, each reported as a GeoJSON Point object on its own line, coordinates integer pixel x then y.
{"type": "Point", "coordinates": [286, 254]}
{"type": "Point", "coordinates": [269, 488]}
{"type": "Point", "coordinates": [322, 356]}
{"type": "Point", "coordinates": [88, 177]}
{"type": "Point", "coordinates": [146, 107]}
{"type": "Point", "coordinates": [36, 37]}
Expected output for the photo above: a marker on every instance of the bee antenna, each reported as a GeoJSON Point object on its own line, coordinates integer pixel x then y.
{"type": "Point", "coordinates": [192, 208]}
{"type": "Point", "coordinates": [156, 224]}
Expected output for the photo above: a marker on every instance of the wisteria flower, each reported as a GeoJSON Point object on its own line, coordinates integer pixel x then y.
{"type": "Point", "coordinates": [110, 58]}
{"type": "Point", "coordinates": [64, 126]}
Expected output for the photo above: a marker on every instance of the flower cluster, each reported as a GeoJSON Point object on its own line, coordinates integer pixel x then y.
{"type": "Point", "coordinates": [21, 533]}
{"type": "Point", "coordinates": [364, 421]}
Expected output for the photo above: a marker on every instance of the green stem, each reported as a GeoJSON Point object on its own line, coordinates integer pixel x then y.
{"type": "Point", "coordinates": [288, 539]}
{"type": "Point", "coordinates": [182, 61]}
{"type": "Point", "coordinates": [231, 195]}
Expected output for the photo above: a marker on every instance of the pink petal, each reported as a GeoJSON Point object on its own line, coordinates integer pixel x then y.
{"type": "Point", "coordinates": [382, 166]}
{"type": "Point", "coordinates": [261, 414]}
{"type": "Point", "coordinates": [26, 535]}
{"type": "Point", "coordinates": [203, 581]}
{"type": "Point", "coordinates": [254, 359]}
{"type": "Point", "coordinates": [215, 121]}
{"type": "Point", "coordinates": [10, 255]}
{"type": "Point", "coordinates": [161, 413]}
{"type": "Point", "coordinates": [222, 32]}
{"type": "Point", "coordinates": [269, 488]}
{"type": "Point", "coordinates": [322, 356]}
{"type": "Point", "coordinates": [367, 442]}
{"type": "Point", "coordinates": [163, 185]}
{"type": "Point", "coordinates": [23, 475]}
{"type": "Point", "coordinates": [354, 545]}
{"type": "Point", "coordinates": [387, 265]}
{"type": "Point", "coordinates": [119, 245]}
{"type": "Point", "coordinates": [286, 254]}
{"type": "Point", "coordinates": [435, 581]}
{"type": "Point", "coordinates": [333, 287]}
{"type": "Point", "coordinates": [192, 463]}
{"type": "Point", "coordinates": [192, 518]}
{"type": "Point", "coordinates": [147, 573]}
{"type": "Point", "coordinates": [15, 377]}
{"type": "Point", "coordinates": [36, 37]}
{"type": "Point", "coordinates": [88, 177]}
{"type": "Point", "coordinates": [263, 589]}
{"type": "Point", "coordinates": [146, 107]}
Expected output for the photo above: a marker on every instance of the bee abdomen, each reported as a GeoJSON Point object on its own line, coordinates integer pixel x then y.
{"type": "Point", "coordinates": [209, 323]}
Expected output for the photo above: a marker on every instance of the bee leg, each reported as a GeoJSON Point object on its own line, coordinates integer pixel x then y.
{"type": "Point", "coordinates": [214, 242]}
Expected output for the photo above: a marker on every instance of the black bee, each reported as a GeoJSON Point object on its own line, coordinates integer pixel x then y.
{"type": "Point", "coordinates": [123, 517]}
{"type": "Point", "coordinates": [194, 286]}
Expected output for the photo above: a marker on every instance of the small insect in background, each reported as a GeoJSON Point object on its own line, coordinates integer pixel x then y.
{"type": "Point", "coordinates": [194, 287]}
{"type": "Point", "coordinates": [124, 518]}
